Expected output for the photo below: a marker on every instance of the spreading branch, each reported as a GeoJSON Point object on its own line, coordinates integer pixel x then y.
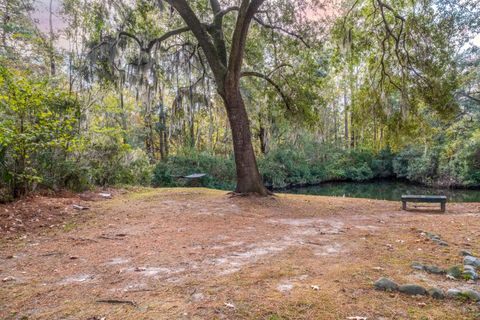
{"type": "Point", "coordinates": [201, 34]}
{"type": "Point", "coordinates": [281, 29]}
{"type": "Point", "coordinates": [285, 98]}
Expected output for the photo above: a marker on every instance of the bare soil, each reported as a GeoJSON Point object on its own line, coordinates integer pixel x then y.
{"type": "Point", "coordinates": [200, 254]}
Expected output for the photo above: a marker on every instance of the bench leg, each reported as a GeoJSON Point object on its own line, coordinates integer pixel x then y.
{"type": "Point", "coordinates": [404, 205]}
{"type": "Point", "coordinates": [442, 206]}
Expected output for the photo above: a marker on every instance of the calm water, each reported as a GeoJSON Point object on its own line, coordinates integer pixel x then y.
{"type": "Point", "coordinates": [384, 190]}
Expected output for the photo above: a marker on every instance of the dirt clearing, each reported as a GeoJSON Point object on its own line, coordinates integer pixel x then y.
{"type": "Point", "coordinates": [198, 254]}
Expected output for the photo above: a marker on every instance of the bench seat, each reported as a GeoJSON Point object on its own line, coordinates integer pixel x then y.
{"type": "Point", "coordinates": [424, 199]}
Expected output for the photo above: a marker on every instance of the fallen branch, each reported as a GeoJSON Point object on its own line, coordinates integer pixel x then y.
{"type": "Point", "coordinates": [115, 301]}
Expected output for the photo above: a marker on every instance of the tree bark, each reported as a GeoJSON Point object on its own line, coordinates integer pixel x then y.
{"type": "Point", "coordinates": [248, 176]}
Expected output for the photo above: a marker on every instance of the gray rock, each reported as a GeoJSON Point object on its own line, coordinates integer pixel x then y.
{"type": "Point", "coordinates": [434, 270]}
{"type": "Point", "coordinates": [385, 284]}
{"type": "Point", "coordinates": [466, 253]}
{"type": "Point", "coordinates": [412, 289]}
{"type": "Point", "coordinates": [469, 267]}
{"type": "Point", "coordinates": [436, 293]}
{"type": "Point", "coordinates": [454, 293]}
{"type": "Point", "coordinates": [417, 265]}
{"type": "Point", "coordinates": [471, 295]}
{"type": "Point", "coordinates": [432, 236]}
{"type": "Point", "coordinates": [454, 271]}
{"type": "Point", "coordinates": [472, 261]}
{"type": "Point", "coordinates": [440, 242]}
{"type": "Point", "coordinates": [469, 275]}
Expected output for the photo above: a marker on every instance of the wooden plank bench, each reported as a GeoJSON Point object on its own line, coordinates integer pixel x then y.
{"type": "Point", "coordinates": [424, 199]}
{"type": "Point", "coordinates": [193, 180]}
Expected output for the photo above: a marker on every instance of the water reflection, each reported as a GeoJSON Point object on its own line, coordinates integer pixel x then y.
{"type": "Point", "coordinates": [384, 190]}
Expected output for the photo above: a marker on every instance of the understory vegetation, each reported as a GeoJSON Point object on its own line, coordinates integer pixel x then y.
{"type": "Point", "coordinates": [455, 165]}
{"type": "Point", "coordinates": [122, 94]}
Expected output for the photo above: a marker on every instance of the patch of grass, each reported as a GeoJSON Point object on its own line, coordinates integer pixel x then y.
{"type": "Point", "coordinates": [69, 226]}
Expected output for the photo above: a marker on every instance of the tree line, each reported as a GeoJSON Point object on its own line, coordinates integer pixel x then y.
{"type": "Point", "coordinates": [270, 92]}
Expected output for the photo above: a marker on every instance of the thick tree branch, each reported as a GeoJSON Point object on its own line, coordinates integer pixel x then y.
{"type": "Point", "coordinates": [200, 32]}
{"type": "Point", "coordinates": [129, 35]}
{"type": "Point", "coordinates": [285, 98]}
{"type": "Point", "coordinates": [222, 13]}
{"type": "Point", "coordinates": [165, 36]}
{"type": "Point", "coordinates": [150, 44]}
{"type": "Point", "coordinates": [245, 15]}
{"type": "Point", "coordinates": [216, 29]}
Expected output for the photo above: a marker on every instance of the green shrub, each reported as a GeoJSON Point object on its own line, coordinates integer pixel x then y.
{"type": "Point", "coordinates": [403, 159]}
{"type": "Point", "coordinates": [360, 173]}
{"type": "Point", "coordinates": [284, 167]}
{"type": "Point", "coordinates": [220, 171]}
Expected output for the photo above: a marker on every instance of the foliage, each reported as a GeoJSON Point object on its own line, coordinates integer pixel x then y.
{"type": "Point", "coordinates": [36, 121]}
{"type": "Point", "coordinates": [363, 98]}
{"type": "Point", "coordinates": [220, 171]}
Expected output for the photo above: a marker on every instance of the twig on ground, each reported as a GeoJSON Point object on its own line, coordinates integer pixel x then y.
{"type": "Point", "coordinates": [115, 301]}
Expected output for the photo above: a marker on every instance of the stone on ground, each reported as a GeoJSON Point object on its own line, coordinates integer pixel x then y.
{"type": "Point", "coordinates": [385, 285]}
{"type": "Point", "coordinates": [436, 293]}
{"type": "Point", "coordinates": [412, 289]}
{"type": "Point", "coordinates": [471, 295]}
{"type": "Point", "coordinates": [454, 293]}
{"type": "Point", "coordinates": [434, 269]}
{"type": "Point", "coordinates": [472, 261]}
{"type": "Point", "coordinates": [455, 271]}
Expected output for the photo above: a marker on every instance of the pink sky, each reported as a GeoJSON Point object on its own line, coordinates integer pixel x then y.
{"type": "Point", "coordinates": [41, 14]}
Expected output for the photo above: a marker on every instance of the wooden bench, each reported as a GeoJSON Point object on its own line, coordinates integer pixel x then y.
{"type": "Point", "coordinates": [194, 180]}
{"type": "Point", "coordinates": [424, 199]}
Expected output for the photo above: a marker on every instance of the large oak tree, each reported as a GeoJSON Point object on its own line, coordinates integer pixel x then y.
{"type": "Point", "coordinates": [223, 47]}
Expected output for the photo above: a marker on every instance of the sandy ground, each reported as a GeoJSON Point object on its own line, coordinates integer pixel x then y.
{"type": "Point", "coordinates": [199, 254]}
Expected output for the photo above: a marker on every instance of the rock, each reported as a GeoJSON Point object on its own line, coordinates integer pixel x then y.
{"type": "Point", "coordinates": [431, 236]}
{"type": "Point", "coordinates": [436, 293]}
{"type": "Point", "coordinates": [472, 261]}
{"type": "Point", "coordinates": [105, 195]}
{"type": "Point", "coordinates": [471, 295]}
{"type": "Point", "coordinates": [440, 242]}
{"type": "Point", "coordinates": [454, 293]}
{"type": "Point", "coordinates": [469, 275]}
{"type": "Point", "coordinates": [385, 284]}
{"type": "Point", "coordinates": [455, 272]}
{"type": "Point", "coordinates": [412, 289]}
{"type": "Point", "coordinates": [465, 253]}
{"type": "Point", "coordinates": [434, 269]}
{"type": "Point", "coordinates": [417, 265]}
{"type": "Point", "coordinates": [469, 267]}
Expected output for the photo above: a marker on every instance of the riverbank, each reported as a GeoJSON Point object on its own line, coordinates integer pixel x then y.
{"type": "Point", "coordinates": [200, 254]}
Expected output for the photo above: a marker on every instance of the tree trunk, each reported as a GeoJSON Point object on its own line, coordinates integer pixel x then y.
{"type": "Point", "coordinates": [248, 176]}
